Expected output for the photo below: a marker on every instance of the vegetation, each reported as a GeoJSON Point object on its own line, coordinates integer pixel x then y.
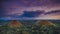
{"type": "Point", "coordinates": [33, 29]}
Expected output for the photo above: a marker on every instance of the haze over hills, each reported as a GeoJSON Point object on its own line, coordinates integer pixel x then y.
{"type": "Point", "coordinates": [28, 22]}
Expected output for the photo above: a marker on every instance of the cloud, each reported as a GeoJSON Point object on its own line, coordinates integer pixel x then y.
{"type": "Point", "coordinates": [32, 13]}
{"type": "Point", "coordinates": [56, 12]}
{"type": "Point", "coordinates": [16, 8]}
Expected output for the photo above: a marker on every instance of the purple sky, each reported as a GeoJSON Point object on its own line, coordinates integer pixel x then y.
{"type": "Point", "coordinates": [16, 7]}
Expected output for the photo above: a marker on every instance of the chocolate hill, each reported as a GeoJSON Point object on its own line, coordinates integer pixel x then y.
{"type": "Point", "coordinates": [45, 22]}
{"type": "Point", "coordinates": [15, 23]}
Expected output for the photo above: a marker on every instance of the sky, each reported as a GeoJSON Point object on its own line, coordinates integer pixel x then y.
{"type": "Point", "coordinates": [29, 9]}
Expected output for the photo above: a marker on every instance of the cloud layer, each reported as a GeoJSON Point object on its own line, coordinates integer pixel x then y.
{"type": "Point", "coordinates": [16, 8]}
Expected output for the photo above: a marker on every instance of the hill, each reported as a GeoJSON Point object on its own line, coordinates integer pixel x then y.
{"type": "Point", "coordinates": [45, 22]}
{"type": "Point", "coordinates": [15, 23]}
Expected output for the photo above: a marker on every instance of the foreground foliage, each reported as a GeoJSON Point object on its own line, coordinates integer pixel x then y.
{"type": "Point", "coordinates": [34, 29]}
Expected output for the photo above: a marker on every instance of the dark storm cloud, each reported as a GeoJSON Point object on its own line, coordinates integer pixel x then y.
{"type": "Point", "coordinates": [32, 13]}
